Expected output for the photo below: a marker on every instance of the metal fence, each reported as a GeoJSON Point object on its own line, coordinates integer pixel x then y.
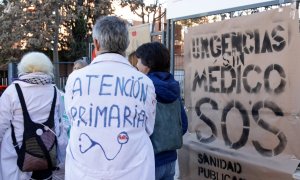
{"type": "Point", "coordinates": [3, 81]}
{"type": "Point", "coordinates": [179, 72]}
{"type": "Point", "coordinates": [60, 85]}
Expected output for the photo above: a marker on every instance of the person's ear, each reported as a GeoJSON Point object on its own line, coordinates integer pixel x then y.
{"type": "Point", "coordinates": [96, 45]}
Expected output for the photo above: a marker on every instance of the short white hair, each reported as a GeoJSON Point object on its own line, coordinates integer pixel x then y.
{"type": "Point", "coordinates": [35, 62]}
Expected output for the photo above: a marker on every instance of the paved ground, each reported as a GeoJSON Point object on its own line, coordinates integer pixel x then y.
{"type": "Point", "coordinates": [59, 175]}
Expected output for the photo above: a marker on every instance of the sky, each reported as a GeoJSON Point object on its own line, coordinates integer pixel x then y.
{"type": "Point", "coordinates": [127, 14]}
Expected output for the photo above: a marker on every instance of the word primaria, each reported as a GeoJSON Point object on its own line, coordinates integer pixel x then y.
{"type": "Point", "coordinates": [205, 159]}
{"type": "Point", "coordinates": [239, 43]}
{"type": "Point", "coordinates": [106, 117]}
{"type": "Point", "coordinates": [110, 85]}
{"type": "Point", "coordinates": [238, 79]}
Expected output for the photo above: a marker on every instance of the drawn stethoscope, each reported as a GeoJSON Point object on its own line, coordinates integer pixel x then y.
{"type": "Point", "coordinates": [122, 138]}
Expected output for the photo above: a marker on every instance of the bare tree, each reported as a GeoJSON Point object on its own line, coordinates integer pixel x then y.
{"type": "Point", "coordinates": [148, 13]}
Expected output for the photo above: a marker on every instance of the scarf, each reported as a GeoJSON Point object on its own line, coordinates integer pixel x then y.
{"type": "Point", "coordinates": [36, 78]}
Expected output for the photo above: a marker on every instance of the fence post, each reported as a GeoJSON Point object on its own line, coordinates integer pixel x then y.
{"type": "Point", "coordinates": [12, 72]}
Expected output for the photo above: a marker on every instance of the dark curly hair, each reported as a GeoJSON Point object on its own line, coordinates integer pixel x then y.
{"type": "Point", "coordinates": [154, 55]}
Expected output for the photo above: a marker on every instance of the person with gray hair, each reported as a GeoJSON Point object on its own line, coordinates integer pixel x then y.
{"type": "Point", "coordinates": [34, 91]}
{"type": "Point", "coordinates": [112, 109]}
{"type": "Point", "coordinates": [110, 35]}
{"type": "Point", "coordinates": [78, 64]}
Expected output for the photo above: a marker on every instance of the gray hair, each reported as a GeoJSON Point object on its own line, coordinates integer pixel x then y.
{"type": "Point", "coordinates": [35, 62]}
{"type": "Point", "coordinates": [82, 62]}
{"type": "Point", "coordinates": [112, 34]}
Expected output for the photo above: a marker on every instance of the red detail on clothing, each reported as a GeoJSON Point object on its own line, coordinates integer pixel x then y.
{"type": "Point", "coordinates": [134, 33]}
{"type": "Point", "coordinates": [122, 137]}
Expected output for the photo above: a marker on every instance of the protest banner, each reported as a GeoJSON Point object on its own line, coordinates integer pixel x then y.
{"type": "Point", "coordinates": [241, 92]}
{"type": "Point", "coordinates": [138, 35]}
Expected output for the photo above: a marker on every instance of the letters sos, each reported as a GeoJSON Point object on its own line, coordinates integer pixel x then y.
{"type": "Point", "coordinates": [206, 82]}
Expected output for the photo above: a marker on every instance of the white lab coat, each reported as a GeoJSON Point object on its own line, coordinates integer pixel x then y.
{"type": "Point", "coordinates": [111, 107]}
{"type": "Point", "coordinates": [38, 100]}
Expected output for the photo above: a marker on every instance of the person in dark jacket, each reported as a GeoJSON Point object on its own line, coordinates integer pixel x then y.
{"type": "Point", "coordinates": [154, 60]}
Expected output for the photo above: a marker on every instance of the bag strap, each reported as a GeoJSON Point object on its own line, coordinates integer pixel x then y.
{"type": "Point", "coordinates": [50, 121]}
{"type": "Point", "coordinates": [26, 115]}
{"type": "Point", "coordinates": [16, 146]}
{"type": "Point", "coordinates": [27, 120]}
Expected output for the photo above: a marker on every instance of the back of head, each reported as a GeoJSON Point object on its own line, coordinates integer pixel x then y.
{"type": "Point", "coordinates": [80, 63]}
{"type": "Point", "coordinates": [112, 34]}
{"type": "Point", "coordinates": [154, 55]}
{"type": "Point", "coordinates": [35, 62]}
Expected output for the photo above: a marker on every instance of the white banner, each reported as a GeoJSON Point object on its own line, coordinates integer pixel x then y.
{"type": "Point", "coordinates": [138, 35]}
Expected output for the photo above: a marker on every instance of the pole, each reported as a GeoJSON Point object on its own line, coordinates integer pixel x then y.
{"type": "Point", "coordinates": [12, 72]}
{"type": "Point", "coordinates": [55, 47]}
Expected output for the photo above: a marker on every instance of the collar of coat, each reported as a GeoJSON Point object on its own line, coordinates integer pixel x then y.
{"type": "Point", "coordinates": [111, 57]}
